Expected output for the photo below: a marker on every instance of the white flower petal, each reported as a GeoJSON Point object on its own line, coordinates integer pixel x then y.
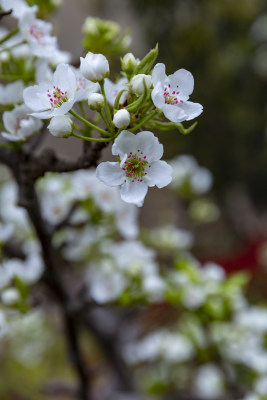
{"type": "Point", "coordinates": [174, 113]}
{"type": "Point", "coordinates": [158, 74]}
{"type": "Point", "coordinates": [35, 98]}
{"type": "Point", "coordinates": [43, 114]}
{"type": "Point", "coordinates": [159, 174]}
{"type": "Point", "coordinates": [110, 173]}
{"type": "Point", "coordinates": [183, 80]}
{"type": "Point", "coordinates": [192, 110]}
{"type": "Point", "coordinates": [157, 96]}
{"type": "Point", "coordinates": [133, 192]}
{"type": "Point", "coordinates": [149, 145]}
{"type": "Point", "coordinates": [124, 144]}
{"type": "Point", "coordinates": [64, 78]}
{"type": "Point", "coordinates": [64, 108]}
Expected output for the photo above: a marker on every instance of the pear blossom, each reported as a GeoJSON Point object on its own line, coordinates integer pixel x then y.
{"type": "Point", "coordinates": [11, 93]}
{"type": "Point", "coordinates": [19, 124]}
{"type": "Point", "coordinates": [129, 63]}
{"type": "Point", "coordinates": [94, 67]}
{"type": "Point", "coordinates": [56, 98]}
{"type": "Point", "coordinates": [113, 89]}
{"type": "Point", "coordinates": [171, 94]}
{"type": "Point", "coordinates": [139, 81]}
{"type": "Point", "coordinates": [19, 7]}
{"type": "Point", "coordinates": [37, 33]}
{"type": "Point", "coordinates": [122, 119]}
{"type": "Point", "coordinates": [139, 166]}
{"type": "Point", "coordinates": [96, 101]}
{"type": "Point", "coordinates": [60, 126]}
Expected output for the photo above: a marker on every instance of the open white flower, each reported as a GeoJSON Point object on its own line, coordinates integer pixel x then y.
{"type": "Point", "coordinates": [56, 98]}
{"type": "Point", "coordinates": [37, 33]}
{"type": "Point", "coordinates": [139, 166]}
{"type": "Point", "coordinates": [171, 94]}
{"type": "Point", "coordinates": [19, 124]}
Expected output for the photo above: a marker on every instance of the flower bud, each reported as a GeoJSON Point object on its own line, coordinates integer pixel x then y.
{"type": "Point", "coordinates": [138, 81]}
{"type": "Point", "coordinates": [94, 67]}
{"type": "Point", "coordinates": [10, 296]}
{"type": "Point", "coordinates": [121, 119]}
{"type": "Point", "coordinates": [129, 63]}
{"type": "Point", "coordinates": [60, 126]}
{"type": "Point", "coordinates": [96, 101]}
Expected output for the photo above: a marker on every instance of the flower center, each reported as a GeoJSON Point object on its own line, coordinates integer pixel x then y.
{"type": "Point", "coordinates": [57, 97]}
{"type": "Point", "coordinates": [171, 96]}
{"type": "Point", "coordinates": [36, 32]}
{"type": "Point", "coordinates": [135, 166]}
{"type": "Point", "coordinates": [81, 83]}
{"type": "Point", "coordinates": [17, 125]}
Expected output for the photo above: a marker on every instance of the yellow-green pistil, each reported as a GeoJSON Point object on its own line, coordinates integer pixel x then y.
{"type": "Point", "coordinates": [135, 166]}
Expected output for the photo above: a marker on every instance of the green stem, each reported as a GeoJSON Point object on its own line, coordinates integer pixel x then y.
{"type": "Point", "coordinates": [92, 126]}
{"type": "Point", "coordinates": [82, 108]}
{"type": "Point", "coordinates": [12, 47]}
{"type": "Point", "coordinates": [13, 77]}
{"type": "Point", "coordinates": [89, 139]}
{"type": "Point", "coordinates": [78, 128]}
{"type": "Point", "coordinates": [103, 118]}
{"type": "Point", "coordinates": [143, 121]}
{"type": "Point", "coordinates": [101, 83]}
{"type": "Point", "coordinates": [9, 35]}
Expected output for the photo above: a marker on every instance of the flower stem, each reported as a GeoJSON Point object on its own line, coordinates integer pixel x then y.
{"type": "Point", "coordinates": [143, 121]}
{"type": "Point", "coordinates": [92, 126]}
{"type": "Point", "coordinates": [89, 139]}
{"type": "Point", "coordinates": [9, 35]}
{"type": "Point", "coordinates": [101, 83]}
{"type": "Point", "coordinates": [12, 47]}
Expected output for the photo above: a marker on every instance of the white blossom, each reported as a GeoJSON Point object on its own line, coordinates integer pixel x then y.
{"type": "Point", "coordinates": [60, 126]}
{"type": "Point", "coordinates": [96, 101]}
{"type": "Point", "coordinates": [57, 98]}
{"type": "Point", "coordinates": [122, 119]}
{"type": "Point", "coordinates": [138, 83]}
{"type": "Point", "coordinates": [37, 33]}
{"type": "Point", "coordinates": [11, 93]}
{"type": "Point", "coordinates": [139, 167]}
{"type": "Point", "coordinates": [94, 67]}
{"type": "Point", "coordinates": [171, 94]}
{"type": "Point", "coordinates": [19, 125]}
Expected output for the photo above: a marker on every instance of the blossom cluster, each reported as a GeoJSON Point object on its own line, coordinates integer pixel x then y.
{"type": "Point", "coordinates": [91, 216]}
{"type": "Point", "coordinates": [123, 109]}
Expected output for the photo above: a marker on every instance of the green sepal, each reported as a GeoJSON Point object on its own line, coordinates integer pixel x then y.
{"type": "Point", "coordinates": [167, 126]}
{"type": "Point", "coordinates": [133, 107]}
{"type": "Point", "coordinates": [146, 63]}
{"type": "Point", "coordinates": [117, 101]}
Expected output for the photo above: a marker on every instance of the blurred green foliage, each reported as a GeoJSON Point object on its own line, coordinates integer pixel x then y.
{"type": "Point", "coordinates": [213, 40]}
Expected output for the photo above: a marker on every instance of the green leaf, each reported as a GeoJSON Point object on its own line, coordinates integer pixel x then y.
{"type": "Point", "coordinates": [133, 107]}
{"type": "Point", "coordinates": [146, 63]}
{"type": "Point", "coordinates": [22, 288]}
